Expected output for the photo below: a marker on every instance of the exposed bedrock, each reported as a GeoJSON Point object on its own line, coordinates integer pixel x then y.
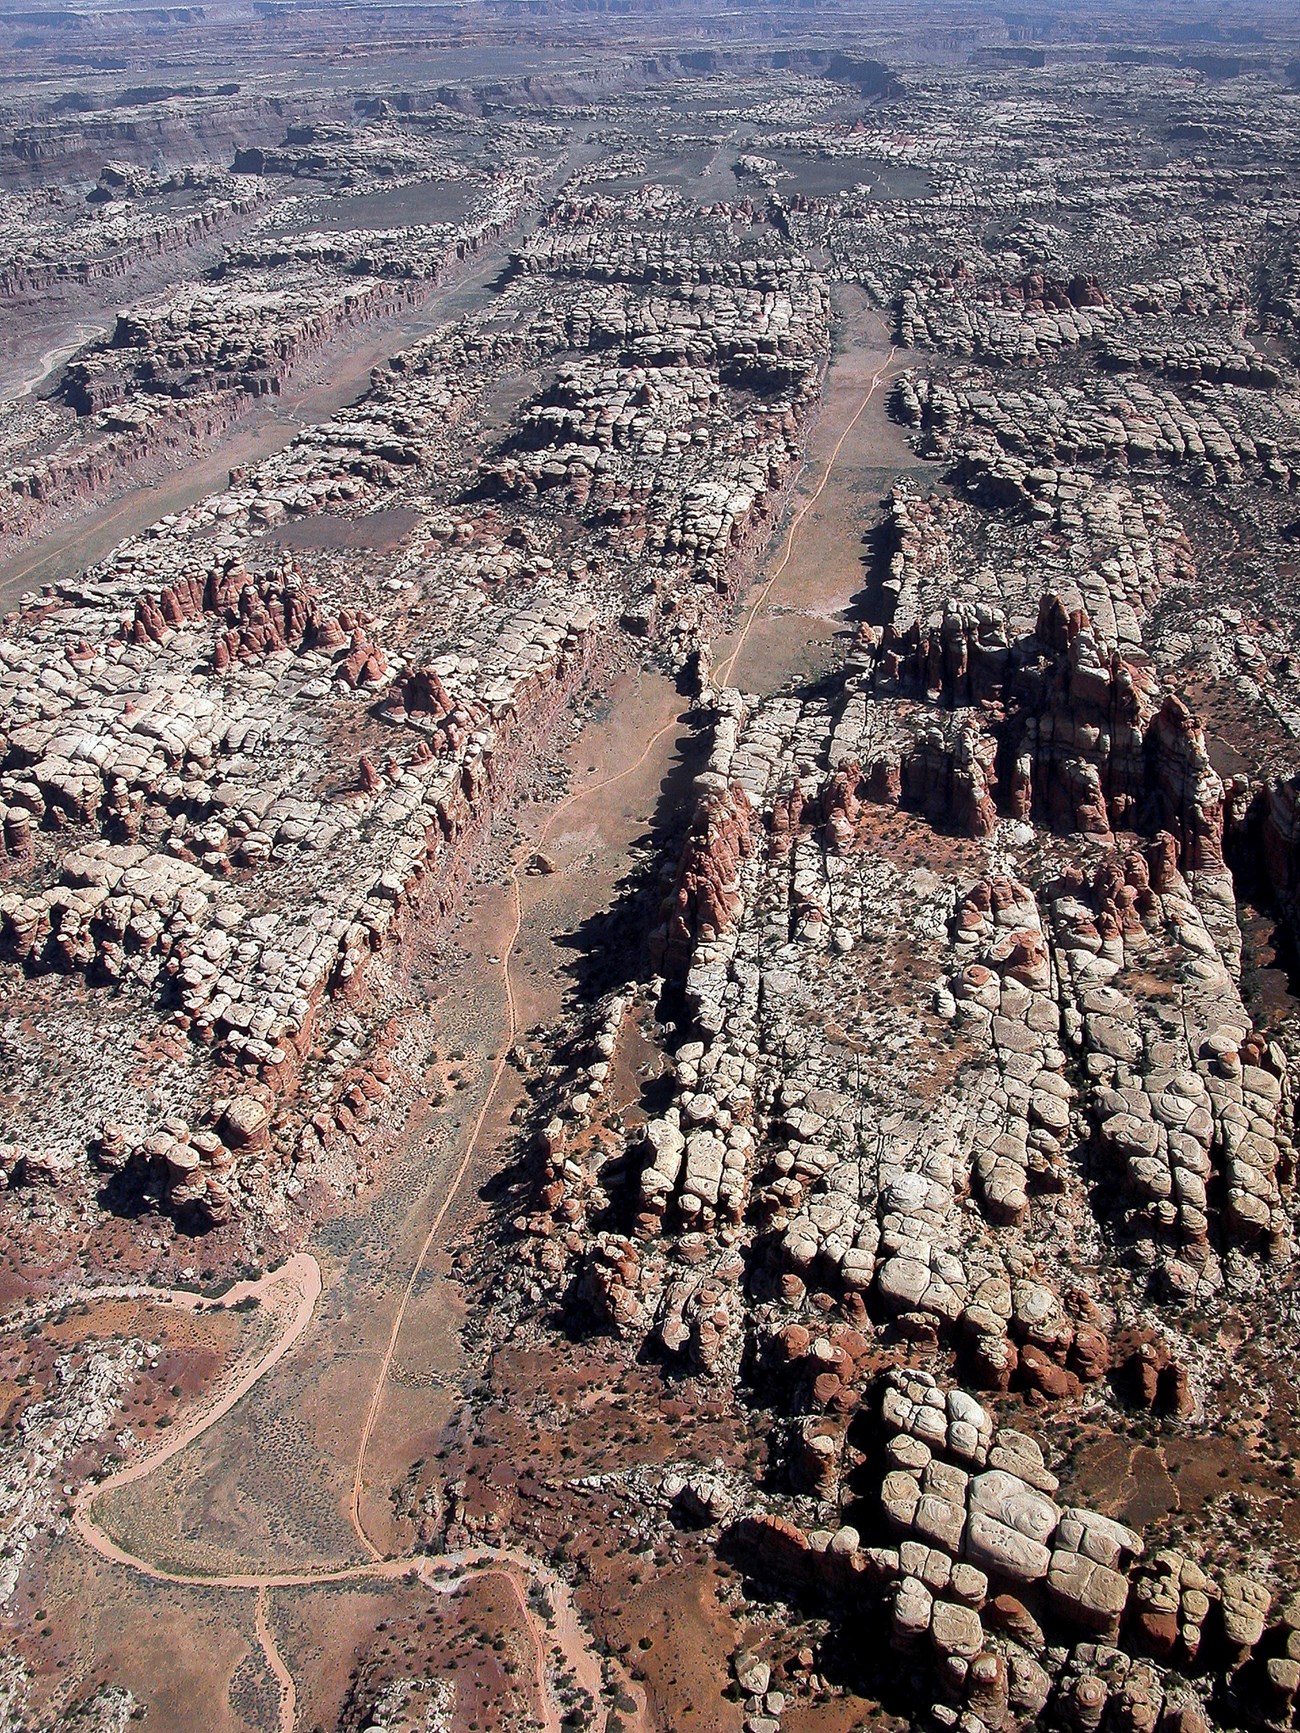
{"type": "Point", "coordinates": [1056, 725]}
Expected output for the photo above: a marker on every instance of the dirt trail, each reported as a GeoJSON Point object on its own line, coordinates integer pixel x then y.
{"type": "Point", "coordinates": [284, 1678]}
{"type": "Point", "coordinates": [302, 1273]}
{"type": "Point", "coordinates": [565, 1629]}
{"type": "Point", "coordinates": [498, 1071]}
{"type": "Point", "coordinates": [726, 669]}
{"type": "Point", "coordinates": [183, 1299]}
{"type": "Point", "coordinates": [539, 1653]}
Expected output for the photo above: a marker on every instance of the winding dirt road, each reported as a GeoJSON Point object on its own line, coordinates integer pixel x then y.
{"type": "Point", "coordinates": [296, 1286]}
{"type": "Point", "coordinates": [300, 1274]}
{"type": "Point", "coordinates": [283, 1677]}
{"type": "Point", "coordinates": [70, 341]}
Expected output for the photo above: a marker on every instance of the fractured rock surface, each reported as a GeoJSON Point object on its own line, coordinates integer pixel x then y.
{"type": "Point", "coordinates": [871, 1294]}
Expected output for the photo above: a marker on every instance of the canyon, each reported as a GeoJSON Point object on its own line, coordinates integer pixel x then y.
{"type": "Point", "coordinates": [649, 868]}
